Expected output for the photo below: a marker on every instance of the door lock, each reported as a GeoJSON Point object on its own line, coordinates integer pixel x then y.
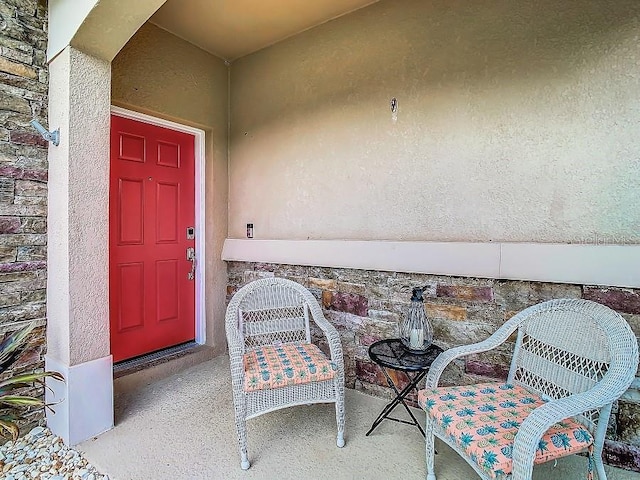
{"type": "Point", "coordinates": [191, 255]}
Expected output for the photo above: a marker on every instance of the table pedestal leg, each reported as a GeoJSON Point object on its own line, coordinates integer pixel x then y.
{"type": "Point", "coordinates": [399, 399]}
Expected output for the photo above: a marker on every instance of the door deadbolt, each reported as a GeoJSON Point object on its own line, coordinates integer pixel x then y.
{"type": "Point", "coordinates": [191, 233]}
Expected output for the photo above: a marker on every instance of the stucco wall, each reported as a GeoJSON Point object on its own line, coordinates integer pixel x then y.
{"type": "Point", "coordinates": [162, 75]}
{"type": "Point", "coordinates": [516, 122]}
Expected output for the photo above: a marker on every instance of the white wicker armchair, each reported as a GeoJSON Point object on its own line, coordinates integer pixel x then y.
{"type": "Point", "coordinates": [572, 360]}
{"type": "Point", "coordinates": [273, 362]}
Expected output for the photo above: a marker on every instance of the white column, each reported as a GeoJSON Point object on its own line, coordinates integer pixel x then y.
{"type": "Point", "coordinates": [78, 247]}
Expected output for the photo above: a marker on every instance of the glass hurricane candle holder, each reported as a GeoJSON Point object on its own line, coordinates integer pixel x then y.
{"type": "Point", "coordinates": [416, 332]}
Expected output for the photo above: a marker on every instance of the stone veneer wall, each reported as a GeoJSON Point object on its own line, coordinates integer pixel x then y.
{"type": "Point", "coordinates": [23, 177]}
{"type": "Point", "coordinates": [366, 306]}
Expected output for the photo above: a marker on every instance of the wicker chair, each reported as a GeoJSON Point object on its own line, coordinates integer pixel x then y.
{"type": "Point", "coordinates": [273, 362]}
{"type": "Point", "coordinates": [572, 360]}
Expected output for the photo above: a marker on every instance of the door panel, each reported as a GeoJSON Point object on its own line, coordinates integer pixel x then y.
{"type": "Point", "coordinates": [131, 278]}
{"type": "Point", "coordinates": [132, 147]}
{"type": "Point", "coordinates": [167, 211]}
{"type": "Point", "coordinates": [168, 154]}
{"type": "Point", "coordinates": [131, 197]}
{"type": "Point", "coordinates": [167, 286]}
{"type": "Point", "coordinates": [151, 205]}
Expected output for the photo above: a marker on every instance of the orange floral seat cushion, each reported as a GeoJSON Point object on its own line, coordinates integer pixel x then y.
{"type": "Point", "coordinates": [274, 366]}
{"type": "Point", "coordinates": [483, 420]}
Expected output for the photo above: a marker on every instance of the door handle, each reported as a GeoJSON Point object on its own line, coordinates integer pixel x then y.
{"type": "Point", "coordinates": [191, 255]}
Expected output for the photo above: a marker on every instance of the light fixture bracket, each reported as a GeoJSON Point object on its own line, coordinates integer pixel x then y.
{"type": "Point", "coordinates": [53, 137]}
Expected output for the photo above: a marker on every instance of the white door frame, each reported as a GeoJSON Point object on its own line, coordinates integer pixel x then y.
{"type": "Point", "coordinates": [199, 152]}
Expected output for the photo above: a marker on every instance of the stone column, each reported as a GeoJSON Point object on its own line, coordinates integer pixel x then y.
{"type": "Point", "coordinates": [78, 239]}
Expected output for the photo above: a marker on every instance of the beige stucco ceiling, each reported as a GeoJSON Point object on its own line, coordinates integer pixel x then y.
{"type": "Point", "coordinates": [233, 29]}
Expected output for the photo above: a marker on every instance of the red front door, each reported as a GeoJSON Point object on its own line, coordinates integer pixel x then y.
{"type": "Point", "coordinates": [151, 206]}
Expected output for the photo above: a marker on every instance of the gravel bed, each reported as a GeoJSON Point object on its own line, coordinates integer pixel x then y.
{"type": "Point", "coordinates": [41, 455]}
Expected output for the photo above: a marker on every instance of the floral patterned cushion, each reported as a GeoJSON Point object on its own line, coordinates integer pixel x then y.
{"type": "Point", "coordinates": [274, 366]}
{"type": "Point", "coordinates": [483, 420]}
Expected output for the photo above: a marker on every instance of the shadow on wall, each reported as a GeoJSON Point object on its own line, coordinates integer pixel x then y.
{"type": "Point", "coordinates": [424, 47]}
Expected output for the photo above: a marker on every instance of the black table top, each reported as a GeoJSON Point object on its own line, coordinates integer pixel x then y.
{"type": "Point", "coordinates": [391, 353]}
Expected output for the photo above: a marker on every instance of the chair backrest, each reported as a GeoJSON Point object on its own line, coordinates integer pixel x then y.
{"type": "Point", "coordinates": [271, 311]}
{"type": "Point", "coordinates": [567, 346]}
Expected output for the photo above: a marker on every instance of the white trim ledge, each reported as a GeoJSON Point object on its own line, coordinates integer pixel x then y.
{"type": "Point", "coordinates": [84, 402]}
{"type": "Point", "coordinates": [609, 265]}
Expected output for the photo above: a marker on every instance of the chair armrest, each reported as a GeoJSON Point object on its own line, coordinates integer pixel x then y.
{"type": "Point", "coordinates": [335, 346]}
{"type": "Point", "coordinates": [448, 356]}
{"type": "Point", "coordinates": [333, 337]}
{"type": "Point", "coordinates": [543, 417]}
{"type": "Point", "coordinates": [235, 344]}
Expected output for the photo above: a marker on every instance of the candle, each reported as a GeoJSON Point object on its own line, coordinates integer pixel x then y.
{"type": "Point", "coordinates": [416, 338]}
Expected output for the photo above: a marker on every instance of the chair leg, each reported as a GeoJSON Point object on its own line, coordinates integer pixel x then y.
{"type": "Point", "coordinates": [241, 429]}
{"type": "Point", "coordinates": [340, 418]}
{"type": "Point", "coordinates": [429, 439]}
{"type": "Point", "coordinates": [597, 460]}
{"type": "Point", "coordinates": [241, 426]}
{"type": "Point", "coordinates": [244, 461]}
{"type": "Point", "coordinates": [242, 444]}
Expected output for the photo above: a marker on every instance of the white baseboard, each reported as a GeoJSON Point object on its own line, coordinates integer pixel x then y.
{"type": "Point", "coordinates": [85, 407]}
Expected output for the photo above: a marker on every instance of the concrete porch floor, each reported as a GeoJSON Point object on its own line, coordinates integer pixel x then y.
{"type": "Point", "coordinates": [182, 427]}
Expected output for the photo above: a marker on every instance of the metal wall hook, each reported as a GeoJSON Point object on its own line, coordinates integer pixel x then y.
{"type": "Point", "coordinates": [394, 105]}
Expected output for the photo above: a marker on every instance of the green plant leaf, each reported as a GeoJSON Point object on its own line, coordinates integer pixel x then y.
{"type": "Point", "coordinates": [12, 397]}
{"type": "Point", "coordinates": [21, 400]}
{"type": "Point", "coordinates": [7, 426]}
{"type": "Point", "coordinates": [28, 378]}
{"type": "Point", "coordinates": [11, 344]}
{"type": "Point", "coordinates": [11, 388]}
